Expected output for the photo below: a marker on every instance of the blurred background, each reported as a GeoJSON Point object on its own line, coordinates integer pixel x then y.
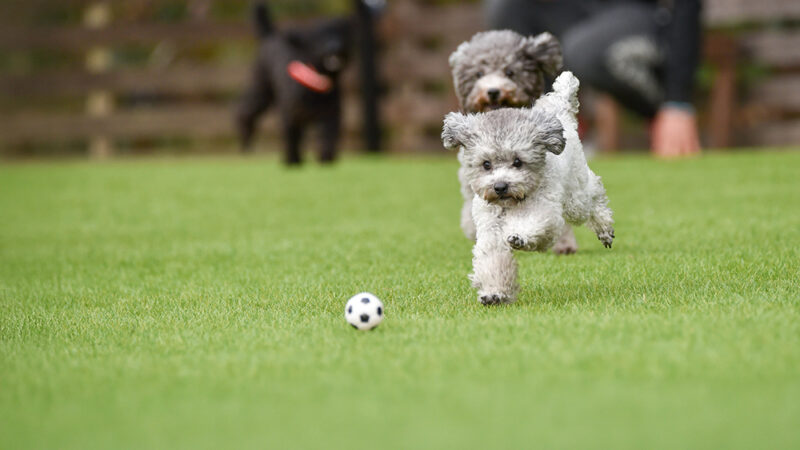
{"type": "Point", "coordinates": [101, 78]}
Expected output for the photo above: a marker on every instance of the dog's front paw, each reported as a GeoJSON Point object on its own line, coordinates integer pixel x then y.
{"type": "Point", "coordinates": [494, 299]}
{"type": "Point", "coordinates": [606, 237]}
{"type": "Point", "coordinates": [516, 242]}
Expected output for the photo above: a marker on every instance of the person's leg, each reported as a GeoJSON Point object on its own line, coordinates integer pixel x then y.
{"type": "Point", "coordinates": [617, 51]}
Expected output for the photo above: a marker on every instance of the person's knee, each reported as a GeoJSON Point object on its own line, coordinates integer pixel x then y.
{"type": "Point", "coordinates": [581, 55]}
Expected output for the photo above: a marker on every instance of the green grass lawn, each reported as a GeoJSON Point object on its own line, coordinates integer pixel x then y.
{"type": "Point", "coordinates": [199, 304]}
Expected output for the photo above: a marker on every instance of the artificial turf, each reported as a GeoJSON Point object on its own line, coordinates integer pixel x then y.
{"type": "Point", "coordinates": [198, 303]}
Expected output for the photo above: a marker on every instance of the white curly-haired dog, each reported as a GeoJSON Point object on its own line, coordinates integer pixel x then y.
{"type": "Point", "coordinates": [529, 175]}
{"type": "Point", "coordinates": [497, 69]}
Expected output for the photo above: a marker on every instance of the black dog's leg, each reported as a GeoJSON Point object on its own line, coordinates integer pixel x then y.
{"type": "Point", "coordinates": [330, 129]}
{"type": "Point", "coordinates": [293, 132]}
{"type": "Point", "coordinates": [253, 104]}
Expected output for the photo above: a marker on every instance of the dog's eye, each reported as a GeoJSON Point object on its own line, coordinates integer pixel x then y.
{"type": "Point", "coordinates": [517, 163]}
{"type": "Point", "coordinates": [509, 73]}
{"type": "Point", "coordinates": [478, 74]}
{"type": "Point", "coordinates": [487, 165]}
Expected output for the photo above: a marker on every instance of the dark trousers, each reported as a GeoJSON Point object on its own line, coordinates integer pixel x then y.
{"type": "Point", "coordinates": [614, 47]}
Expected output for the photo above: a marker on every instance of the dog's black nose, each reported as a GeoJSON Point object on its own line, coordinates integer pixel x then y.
{"type": "Point", "coordinates": [500, 188]}
{"type": "Point", "coordinates": [493, 94]}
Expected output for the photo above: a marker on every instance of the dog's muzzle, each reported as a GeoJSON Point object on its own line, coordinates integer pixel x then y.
{"type": "Point", "coordinates": [495, 91]}
{"type": "Point", "coordinates": [488, 104]}
{"type": "Point", "coordinates": [502, 192]}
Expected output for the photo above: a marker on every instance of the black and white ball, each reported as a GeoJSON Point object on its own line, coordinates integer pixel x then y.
{"type": "Point", "coordinates": [364, 311]}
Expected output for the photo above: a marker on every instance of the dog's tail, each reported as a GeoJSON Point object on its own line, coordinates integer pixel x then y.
{"type": "Point", "coordinates": [263, 20]}
{"type": "Point", "coordinates": [563, 103]}
{"type": "Point", "coordinates": [565, 88]}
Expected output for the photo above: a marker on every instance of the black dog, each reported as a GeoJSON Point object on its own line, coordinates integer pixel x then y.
{"type": "Point", "coordinates": [298, 70]}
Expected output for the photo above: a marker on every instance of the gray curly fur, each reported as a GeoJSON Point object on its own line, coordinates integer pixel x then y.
{"type": "Point", "coordinates": [492, 54]}
{"type": "Point", "coordinates": [530, 181]}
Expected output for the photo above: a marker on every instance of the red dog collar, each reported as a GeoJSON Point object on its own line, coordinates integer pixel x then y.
{"type": "Point", "coordinates": [308, 77]}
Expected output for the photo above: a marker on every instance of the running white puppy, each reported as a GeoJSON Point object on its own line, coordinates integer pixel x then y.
{"type": "Point", "coordinates": [530, 178]}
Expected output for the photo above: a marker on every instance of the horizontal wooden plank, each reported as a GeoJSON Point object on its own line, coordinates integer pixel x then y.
{"type": "Point", "coordinates": [137, 9]}
{"type": "Point", "coordinates": [446, 25]}
{"type": "Point", "coordinates": [780, 49]}
{"type": "Point", "coordinates": [175, 80]}
{"type": "Point", "coordinates": [739, 12]}
{"type": "Point", "coordinates": [784, 133]}
{"type": "Point", "coordinates": [410, 65]}
{"type": "Point", "coordinates": [194, 121]}
{"type": "Point", "coordinates": [720, 48]}
{"type": "Point", "coordinates": [407, 20]}
{"type": "Point", "coordinates": [77, 38]}
{"type": "Point", "coordinates": [779, 92]}
{"type": "Point", "coordinates": [397, 68]}
{"type": "Point", "coordinates": [418, 110]}
{"type": "Point", "coordinates": [200, 121]}
{"type": "Point", "coordinates": [45, 4]}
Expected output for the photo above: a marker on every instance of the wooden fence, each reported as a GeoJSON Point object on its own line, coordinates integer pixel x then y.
{"type": "Point", "coordinates": [172, 89]}
{"type": "Point", "coordinates": [192, 98]}
{"type": "Point", "coordinates": [757, 71]}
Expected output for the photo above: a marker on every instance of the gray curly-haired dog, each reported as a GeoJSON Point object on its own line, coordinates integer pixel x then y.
{"type": "Point", "coordinates": [529, 175]}
{"type": "Point", "coordinates": [497, 69]}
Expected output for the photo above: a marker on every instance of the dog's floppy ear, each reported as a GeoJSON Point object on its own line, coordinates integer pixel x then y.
{"type": "Point", "coordinates": [545, 49]}
{"type": "Point", "coordinates": [550, 135]}
{"type": "Point", "coordinates": [458, 54]}
{"type": "Point", "coordinates": [456, 131]}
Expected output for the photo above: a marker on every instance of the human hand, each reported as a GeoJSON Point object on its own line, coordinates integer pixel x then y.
{"type": "Point", "coordinates": [674, 133]}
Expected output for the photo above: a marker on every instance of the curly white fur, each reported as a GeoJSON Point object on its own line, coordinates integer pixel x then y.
{"type": "Point", "coordinates": [530, 179]}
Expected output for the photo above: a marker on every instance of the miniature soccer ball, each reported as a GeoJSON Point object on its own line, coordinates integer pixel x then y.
{"type": "Point", "coordinates": [364, 311]}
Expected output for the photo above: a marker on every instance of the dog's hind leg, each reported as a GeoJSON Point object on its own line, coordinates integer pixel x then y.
{"type": "Point", "coordinates": [600, 215]}
{"type": "Point", "coordinates": [253, 104]}
{"type": "Point", "coordinates": [329, 138]}
{"type": "Point", "coordinates": [293, 136]}
{"type": "Point", "coordinates": [566, 244]}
